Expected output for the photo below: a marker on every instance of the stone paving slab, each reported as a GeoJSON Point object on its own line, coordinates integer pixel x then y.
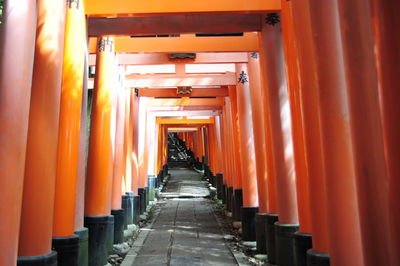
{"type": "Point", "coordinates": [185, 231]}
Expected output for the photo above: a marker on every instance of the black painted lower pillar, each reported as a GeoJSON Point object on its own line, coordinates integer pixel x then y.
{"type": "Point", "coordinates": [224, 200]}
{"type": "Point", "coordinates": [118, 225]}
{"type": "Point", "coordinates": [315, 258]}
{"type": "Point", "coordinates": [284, 238]}
{"type": "Point", "coordinates": [83, 257]}
{"type": "Point", "coordinates": [97, 226]}
{"type": "Point", "coordinates": [147, 196]}
{"type": "Point", "coordinates": [124, 204]}
{"type": "Point", "coordinates": [238, 203]}
{"type": "Point", "coordinates": [302, 243]}
{"type": "Point", "coordinates": [270, 236]}
{"type": "Point", "coordinates": [110, 234]}
{"type": "Point", "coordinates": [141, 192]}
{"type": "Point", "coordinates": [130, 207]}
{"type": "Point", "coordinates": [249, 223]}
{"type": "Point", "coordinates": [136, 209]}
{"type": "Point", "coordinates": [229, 198]}
{"type": "Point", "coordinates": [261, 239]}
{"type": "Point", "coordinates": [42, 260]}
{"type": "Point", "coordinates": [152, 187]}
{"type": "Point", "coordinates": [219, 181]}
{"type": "Point", "coordinates": [67, 249]}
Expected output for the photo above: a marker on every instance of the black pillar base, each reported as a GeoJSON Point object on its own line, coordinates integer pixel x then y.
{"type": "Point", "coordinates": [83, 257]}
{"type": "Point", "coordinates": [270, 236]}
{"type": "Point", "coordinates": [238, 203]}
{"type": "Point", "coordinates": [220, 180]}
{"type": "Point", "coordinates": [152, 187]}
{"type": "Point", "coordinates": [249, 223]}
{"type": "Point", "coordinates": [67, 249]}
{"type": "Point", "coordinates": [42, 260]}
{"type": "Point", "coordinates": [302, 243]}
{"type": "Point", "coordinates": [224, 200]}
{"type": "Point", "coordinates": [136, 209]}
{"type": "Point", "coordinates": [141, 192]}
{"type": "Point", "coordinates": [110, 234]}
{"type": "Point", "coordinates": [147, 194]}
{"type": "Point", "coordinates": [97, 226]}
{"type": "Point", "coordinates": [118, 225]}
{"type": "Point", "coordinates": [285, 243]}
{"type": "Point", "coordinates": [261, 239]}
{"type": "Point", "coordinates": [315, 258]}
{"type": "Point", "coordinates": [125, 207]}
{"type": "Point", "coordinates": [229, 197]}
{"type": "Point", "coordinates": [130, 207]}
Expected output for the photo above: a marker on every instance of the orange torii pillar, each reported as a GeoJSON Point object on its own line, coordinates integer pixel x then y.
{"type": "Point", "coordinates": [237, 180]}
{"type": "Point", "coordinates": [302, 238]}
{"type": "Point", "coordinates": [385, 23]}
{"type": "Point", "coordinates": [220, 159]}
{"type": "Point", "coordinates": [152, 154]}
{"type": "Point", "coordinates": [64, 241]}
{"type": "Point", "coordinates": [143, 154]}
{"type": "Point", "coordinates": [259, 149]}
{"type": "Point", "coordinates": [342, 207]}
{"type": "Point", "coordinates": [100, 162]}
{"type": "Point", "coordinates": [312, 133]}
{"type": "Point", "coordinates": [247, 155]}
{"type": "Point", "coordinates": [282, 145]}
{"type": "Point", "coordinates": [371, 171]}
{"type": "Point", "coordinates": [133, 217]}
{"type": "Point", "coordinates": [17, 45]}
{"type": "Point", "coordinates": [226, 143]}
{"type": "Point", "coordinates": [41, 151]}
{"type": "Point", "coordinates": [118, 169]}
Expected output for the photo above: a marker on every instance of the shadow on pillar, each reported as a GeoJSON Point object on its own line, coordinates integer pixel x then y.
{"type": "Point", "coordinates": [248, 215]}
{"type": "Point", "coordinates": [284, 238]}
{"type": "Point", "coordinates": [302, 243]}
{"type": "Point", "coordinates": [238, 203]}
{"type": "Point", "coordinates": [118, 225]}
{"type": "Point", "coordinates": [315, 258]}
{"type": "Point", "coordinates": [47, 260]}
{"type": "Point", "coordinates": [83, 257]}
{"type": "Point", "coordinates": [97, 226]}
{"type": "Point", "coordinates": [67, 249]}
{"type": "Point", "coordinates": [270, 236]}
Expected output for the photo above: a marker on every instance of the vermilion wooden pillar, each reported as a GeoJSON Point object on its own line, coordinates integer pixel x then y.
{"type": "Point", "coordinates": [282, 142]}
{"type": "Point", "coordinates": [259, 148]}
{"type": "Point", "coordinates": [343, 214]}
{"type": "Point", "coordinates": [17, 46]}
{"type": "Point", "coordinates": [292, 73]}
{"type": "Point", "coordinates": [366, 125]}
{"type": "Point", "coordinates": [134, 131]}
{"type": "Point", "coordinates": [100, 162]}
{"type": "Point", "coordinates": [127, 165]}
{"type": "Point", "coordinates": [68, 135]}
{"type": "Point", "coordinates": [385, 25]}
{"type": "Point", "coordinates": [311, 121]}
{"type": "Point", "coordinates": [247, 155]}
{"type": "Point", "coordinates": [41, 151]}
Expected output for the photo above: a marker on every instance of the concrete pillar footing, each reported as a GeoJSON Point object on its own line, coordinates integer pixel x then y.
{"type": "Point", "coordinates": [47, 259]}
{"type": "Point", "coordinates": [315, 258]}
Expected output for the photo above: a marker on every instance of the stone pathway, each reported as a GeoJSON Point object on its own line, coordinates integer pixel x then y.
{"type": "Point", "coordinates": [185, 231]}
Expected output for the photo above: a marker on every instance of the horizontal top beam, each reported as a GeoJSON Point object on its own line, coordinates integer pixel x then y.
{"type": "Point", "coordinates": [163, 59]}
{"type": "Point", "coordinates": [150, 7]}
{"type": "Point", "coordinates": [196, 92]}
{"type": "Point", "coordinates": [186, 43]}
{"type": "Point", "coordinates": [175, 24]}
{"type": "Point", "coordinates": [185, 101]}
{"type": "Point", "coordinates": [183, 121]}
